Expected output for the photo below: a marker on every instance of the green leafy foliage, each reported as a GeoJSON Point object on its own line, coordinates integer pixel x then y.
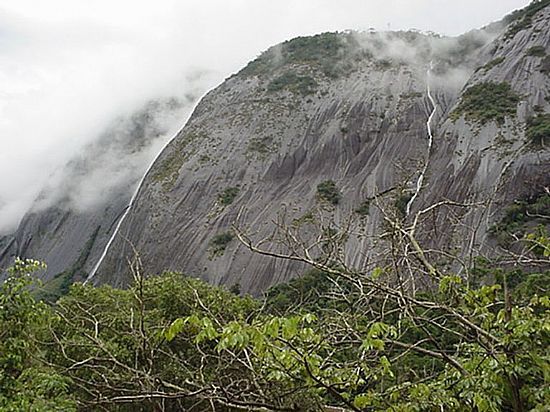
{"type": "Point", "coordinates": [328, 192]}
{"type": "Point", "coordinates": [324, 341]}
{"type": "Point", "coordinates": [538, 130]}
{"type": "Point", "coordinates": [325, 52]}
{"type": "Point", "coordinates": [363, 209]}
{"type": "Point", "coordinates": [296, 350]}
{"type": "Point", "coordinates": [294, 83]}
{"type": "Point", "coordinates": [522, 217]}
{"type": "Point", "coordinates": [26, 383]}
{"type": "Point", "coordinates": [523, 19]}
{"type": "Point", "coordinates": [120, 342]}
{"type": "Point", "coordinates": [536, 51]}
{"type": "Point", "coordinates": [219, 243]}
{"type": "Point", "coordinates": [493, 63]}
{"type": "Point", "coordinates": [227, 197]}
{"type": "Point", "coordinates": [485, 102]}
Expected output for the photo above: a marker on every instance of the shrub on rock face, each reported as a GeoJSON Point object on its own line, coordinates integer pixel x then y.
{"type": "Point", "coordinates": [536, 51]}
{"type": "Point", "coordinates": [219, 243]}
{"type": "Point", "coordinates": [522, 19]}
{"type": "Point", "coordinates": [328, 192]}
{"type": "Point", "coordinates": [228, 196]}
{"type": "Point", "coordinates": [294, 83]}
{"type": "Point", "coordinates": [538, 130]}
{"type": "Point", "coordinates": [493, 63]}
{"type": "Point", "coordinates": [486, 102]}
{"type": "Point", "coordinates": [401, 203]}
{"type": "Point", "coordinates": [363, 209]}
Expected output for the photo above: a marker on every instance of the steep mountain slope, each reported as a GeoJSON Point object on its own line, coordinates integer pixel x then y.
{"type": "Point", "coordinates": [343, 117]}
{"type": "Point", "coordinates": [329, 131]}
{"type": "Point", "coordinates": [72, 219]}
{"type": "Point", "coordinates": [485, 151]}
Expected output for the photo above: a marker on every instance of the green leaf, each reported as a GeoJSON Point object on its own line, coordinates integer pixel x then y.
{"type": "Point", "coordinates": [271, 329]}
{"type": "Point", "coordinates": [290, 327]}
{"type": "Point", "coordinates": [372, 343]}
{"type": "Point", "coordinates": [386, 366]}
{"type": "Point", "coordinates": [362, 401]}
{"type": "Point", "coordinates": [309, 318]}
{"type": "Point", "coordinates": [175, 328]}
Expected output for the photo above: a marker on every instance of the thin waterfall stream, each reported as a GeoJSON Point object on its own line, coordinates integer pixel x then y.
{"type": "Point", "coordinates": [132, 200]}
{"type": "Point", "coordinates": [430, 143]}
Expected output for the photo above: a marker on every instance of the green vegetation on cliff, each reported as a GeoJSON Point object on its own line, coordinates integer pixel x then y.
{"type": "Point", "coordinates": [324, 52]}
{"type": "Point", "coordinates": [261, 146]}
{"type": "Point", "coordinates": [219, 243]}
{"type": "Point", "coordinates": [167, 172]}
{"type": "Point", "coordinates": [363, 209]}
{"type": "Point", "coordinates": [493, 63]}
{"type": "Point", "coordinates": [328, 192]}
{"type": "Point", "coordinates": [527, 215]}
{"type": "Point", "coordinates": [522, 19]}
{"type": "Point", "coordinates": [538, 130]}
{"type": "Point", "coordinates": [227, 197]}
{"type": "Point", "coordinates": [59, 285]}
{"type": "Point", "coordinates": [485, 102]}
{"type": "Point", "coordinates": [294, 83]}
{"type": "Point", "coordinates": [536, 51]}
{"type": "Point", "coordinates": [402, 201]}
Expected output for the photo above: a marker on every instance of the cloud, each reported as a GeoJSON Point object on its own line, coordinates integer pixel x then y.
{"type": "Point", "coordinates": [452, 58]}
{"type": "Point", "coordinates": [111, 165]}
{"type": "Point", "coordinates": [69, 68]}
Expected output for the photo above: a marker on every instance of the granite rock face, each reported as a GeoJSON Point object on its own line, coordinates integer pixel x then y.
{"type": "Point", "coordinates": [335, 123]}
{"type": "Point", "coordinates": [351, 109]}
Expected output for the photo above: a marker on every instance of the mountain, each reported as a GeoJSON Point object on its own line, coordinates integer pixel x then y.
{"type": "Point", "coordinates": [72, 219]}
{"type": "Point", "coordinates": [337, 132]}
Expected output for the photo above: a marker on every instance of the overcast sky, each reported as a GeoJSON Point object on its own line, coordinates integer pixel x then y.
{"type": "Point", "coordinates": [67, 67]}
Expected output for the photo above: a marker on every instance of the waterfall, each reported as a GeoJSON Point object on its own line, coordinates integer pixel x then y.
{"type": "Point", "coordinates": [132, 200]}
{"type": "Point", "coordinates": [430, 142]}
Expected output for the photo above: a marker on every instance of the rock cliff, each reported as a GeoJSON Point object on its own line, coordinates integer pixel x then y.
{"type": "Point", "coordinates": [347, 114]}
{"type": "Point", "coordinates": [337, 123]}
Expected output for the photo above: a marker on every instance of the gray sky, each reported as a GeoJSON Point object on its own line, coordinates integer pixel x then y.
{"type": "Point", "coordinates": [68, 67]}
